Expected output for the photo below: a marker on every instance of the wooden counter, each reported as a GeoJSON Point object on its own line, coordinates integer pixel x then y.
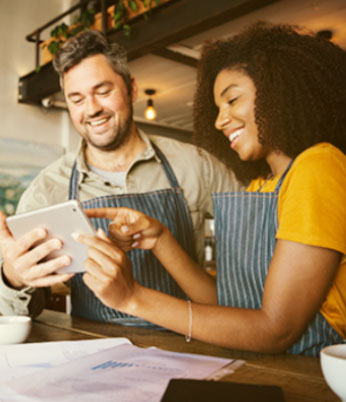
{"type": "Point", "coordinates": [299, 377]}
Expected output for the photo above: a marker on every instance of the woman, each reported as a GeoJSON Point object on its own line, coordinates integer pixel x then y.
{"type": "Point", "coordinates": [277, 99]}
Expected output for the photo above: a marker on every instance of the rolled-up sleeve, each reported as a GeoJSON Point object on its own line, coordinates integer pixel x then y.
{"type": "Point", "coordinates": [26, 301]}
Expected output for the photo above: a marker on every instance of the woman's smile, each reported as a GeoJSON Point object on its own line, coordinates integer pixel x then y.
{"type": "Point", "coordinates": [234, 136]}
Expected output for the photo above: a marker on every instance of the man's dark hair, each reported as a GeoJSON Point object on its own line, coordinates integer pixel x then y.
{"type": "Point", "coordinates": [90, 43]}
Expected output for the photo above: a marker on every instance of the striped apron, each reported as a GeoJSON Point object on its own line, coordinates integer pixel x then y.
{"type": "Point", "coordinates": [245, 228]}
{"type": "Point", "coordinates": [168, 206]}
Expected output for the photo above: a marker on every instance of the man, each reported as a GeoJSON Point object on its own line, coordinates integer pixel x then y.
{"type": "Point", "coordinates": [116, 165]}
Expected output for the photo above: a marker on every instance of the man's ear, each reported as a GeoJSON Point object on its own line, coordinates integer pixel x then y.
{"type": "Point", "coordinates": [134, 90]}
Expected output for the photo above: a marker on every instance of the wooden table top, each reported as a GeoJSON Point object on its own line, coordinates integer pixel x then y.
{"type": "Point", "coordinates": [299, 377]}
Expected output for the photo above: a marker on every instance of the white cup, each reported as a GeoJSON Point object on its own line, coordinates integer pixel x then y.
{"type": "Point", "coordinates": [333, 363]}
{"type": "Point", "coordinates": [14, 329]}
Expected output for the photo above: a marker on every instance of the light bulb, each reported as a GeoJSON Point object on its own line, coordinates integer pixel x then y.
{"type": "Point", "coordinates": [150, 112]}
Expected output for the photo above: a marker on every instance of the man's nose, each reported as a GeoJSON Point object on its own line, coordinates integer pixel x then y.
{"type": "Point", "coordinates": [93, 106]}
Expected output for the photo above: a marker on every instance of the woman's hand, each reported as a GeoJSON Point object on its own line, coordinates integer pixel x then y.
{"type": "Point", "coordinates": [108, 271]}
{"type": "Point", "coordinates": [130, 228]}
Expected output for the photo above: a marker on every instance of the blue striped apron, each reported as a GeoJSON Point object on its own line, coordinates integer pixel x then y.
{"type": "Point", "coordinates": [245, 228]}
{"type": "Point", "coordinates": [168, 206]}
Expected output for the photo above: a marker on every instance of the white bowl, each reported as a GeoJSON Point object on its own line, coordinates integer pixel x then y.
{"type": "Point", "coordinates": [14, 329]}
{"type": "Point", "coordinates": [333, 363]}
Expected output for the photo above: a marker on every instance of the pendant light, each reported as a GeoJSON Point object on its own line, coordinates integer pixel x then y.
{"type": "Point", "coordinates": [150, 112]}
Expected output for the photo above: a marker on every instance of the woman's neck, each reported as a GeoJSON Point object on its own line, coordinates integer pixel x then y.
{"type": "Point", "coordinates": [278, 162]}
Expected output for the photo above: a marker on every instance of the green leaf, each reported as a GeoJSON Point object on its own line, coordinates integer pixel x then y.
{"type": "Point", "coordinates": [62, 30]}
{"type": "Point", "coordinates": [117, 16]}
{"type": "Point", "coordinates": [54, 32]}
{"type": "Point", "coordinates": [117, 25]}
{"type": "Point", "coordinates": [120, 6]}
{"type": "Point", "coordinates": [74, 31]}
{"type": "Point", "coordinates": [53, 47]}
{"type": "Point", "coordinates": [87, 18]}
{"type": "Point", "coordinates": [133, 5]}
{"type": "Point", "coordinates": [127, 30]}
{"type": "Point", "coordinates": [38, 69]}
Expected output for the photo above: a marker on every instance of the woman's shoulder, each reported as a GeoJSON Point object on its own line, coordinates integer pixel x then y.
{"type": "Point", "coordinates": [320, 155]}
{"type": "Point", "coordinates": [320, 166]}
{"type": "Point", "coordinates": [312, 199]}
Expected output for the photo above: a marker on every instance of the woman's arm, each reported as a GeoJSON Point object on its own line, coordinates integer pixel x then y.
{"type": "Point", "coordinates": [133, 229]}
{"type": "Point", "coordinates": [298, 280]}
{"type": "Point", "coordinates": [194, 280]}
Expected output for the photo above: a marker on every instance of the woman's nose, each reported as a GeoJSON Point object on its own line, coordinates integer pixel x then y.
{"type": "Point", "coordinates": [222, 120]}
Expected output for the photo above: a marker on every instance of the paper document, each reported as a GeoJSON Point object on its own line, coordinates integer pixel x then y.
{"type": "Point", "coordinates": [124, 373]}
{"type": "Point", "coordinates": [28, 358]}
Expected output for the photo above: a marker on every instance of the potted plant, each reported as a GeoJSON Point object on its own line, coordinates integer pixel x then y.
{"type": "Point", "coordinates": [119, 16]}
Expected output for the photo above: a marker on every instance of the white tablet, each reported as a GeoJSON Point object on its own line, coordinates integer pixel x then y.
{"type": "Point", "coordinates": [60, 220]}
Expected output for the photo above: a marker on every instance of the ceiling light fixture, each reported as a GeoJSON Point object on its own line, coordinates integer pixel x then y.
{"type": "Point", "coordinates": [150, 112]}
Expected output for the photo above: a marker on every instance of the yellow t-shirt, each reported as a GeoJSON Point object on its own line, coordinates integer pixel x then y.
{"type": "Point", "coordinates": [312, 210]}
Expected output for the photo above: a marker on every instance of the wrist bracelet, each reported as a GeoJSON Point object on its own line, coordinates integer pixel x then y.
{"type": "Point", "coordinates": [188, 336]}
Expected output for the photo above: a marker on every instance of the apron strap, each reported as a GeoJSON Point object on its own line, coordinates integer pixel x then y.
{"type": "Point", "coordinates": [73, 186]}
{"type": "Point", "coordinates": [166, 167]}
{"type": "Point", "coordinates": [282, 178]}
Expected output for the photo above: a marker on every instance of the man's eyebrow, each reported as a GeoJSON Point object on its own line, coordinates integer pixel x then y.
{"type": "Point", "coordinates": [103, 83]}
{"type": "Point", "coordinates": [226, 89]}
{"type": "Point", "coordinates": [97, 86]}
{"type": "Point", "coordinates": [71, 94]}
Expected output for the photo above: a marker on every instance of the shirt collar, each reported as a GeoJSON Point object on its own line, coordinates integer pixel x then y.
{"type": "Point", "coordinates": [148, 153]}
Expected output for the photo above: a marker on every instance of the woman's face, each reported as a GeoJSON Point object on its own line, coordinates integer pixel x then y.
{"type": "Point", "coordinates": [234, 95]}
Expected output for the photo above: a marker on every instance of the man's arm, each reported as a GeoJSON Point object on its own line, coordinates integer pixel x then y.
{"type": "Point", "coordinates": [27, 301]}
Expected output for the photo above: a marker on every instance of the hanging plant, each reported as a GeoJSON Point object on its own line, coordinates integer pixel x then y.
{"type": "Point", "coordinates": [123, 9]}
{"type": "Point", "coordinates": [62, 32]}
{"type": "Point", "coordinates": [119, 16]}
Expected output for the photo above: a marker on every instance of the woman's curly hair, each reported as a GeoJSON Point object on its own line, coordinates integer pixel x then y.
{"type": "Point", "coordinates": [300, 82]}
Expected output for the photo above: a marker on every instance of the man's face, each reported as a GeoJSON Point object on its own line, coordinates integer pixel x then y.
{"type": "Point", "coordinates": [99, 104]}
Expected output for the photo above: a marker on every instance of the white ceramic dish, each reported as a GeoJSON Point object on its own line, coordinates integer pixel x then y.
{"type": "Point", "coordinates": [333, 363]}
{"type": "Point", "coordinates": [14, 329]}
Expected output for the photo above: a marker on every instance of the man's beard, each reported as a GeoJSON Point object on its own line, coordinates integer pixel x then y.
{"type": "Point", "coordinates": [121, 137]}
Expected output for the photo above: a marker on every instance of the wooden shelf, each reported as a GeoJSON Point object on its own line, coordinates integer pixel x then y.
{"type": "Point", "coordinates": [162, 29]}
